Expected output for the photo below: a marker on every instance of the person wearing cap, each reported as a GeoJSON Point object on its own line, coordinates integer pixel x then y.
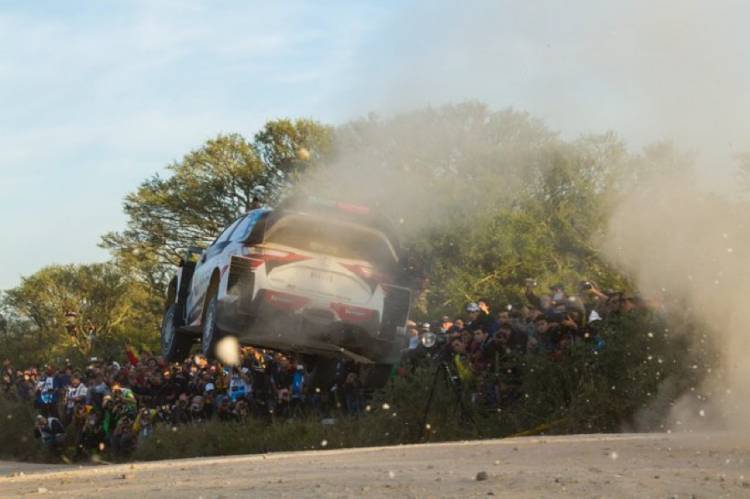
{"type": "Point", "coordinates": [477, 317]}
{"type": "Point", "coordinates": [472, 312]}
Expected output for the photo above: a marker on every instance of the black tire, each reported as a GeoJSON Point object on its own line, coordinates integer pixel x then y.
{"type": "Point", "coordinates": [210, 332]}
{"type": "Point", "coordinates": [175, 346]}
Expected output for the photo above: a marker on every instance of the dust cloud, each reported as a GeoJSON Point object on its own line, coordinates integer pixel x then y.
{"type": "Point", "coordinates": [690, 251]}
{"type": "Point", "coordinates": [429, 168]}
{"type": "Point", "coordinates": [650, 71]}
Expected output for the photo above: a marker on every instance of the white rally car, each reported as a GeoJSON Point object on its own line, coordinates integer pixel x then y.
{"type": "Point", "coordinates": [317, 278]}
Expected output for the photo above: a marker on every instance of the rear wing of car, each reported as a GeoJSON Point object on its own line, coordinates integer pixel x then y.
{"type": "Point", "coordinates": [337, 210]}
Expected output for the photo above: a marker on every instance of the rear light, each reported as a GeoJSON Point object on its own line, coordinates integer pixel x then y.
{"type": "Point", "coordinates": [259, 255]}
{"type": "Point", "coordinates": [353, 208]}
{"type": "Point", "coordinates": [285, 301]}
{"type": "Point", "coordinates": [368, 274]}
{"type": "Point", "coordinates": [350, 313]}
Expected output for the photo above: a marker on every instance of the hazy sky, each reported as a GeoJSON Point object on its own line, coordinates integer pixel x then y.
{"type": "Point", "coordinates": [97, 96]}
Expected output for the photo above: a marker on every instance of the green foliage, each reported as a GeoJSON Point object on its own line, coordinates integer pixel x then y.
{"type": "Point", "coordinates": [17, 432]}
{"type": "Point", "coordinates": [643, 367]}
{"type": "Point", "coordinates": [208, 189]}
{"type": "Point", "coordinates": [75, 311]}
{"type": "Point", "coordinates": [288, 147]}
{"type": "Point", "coordinates": [483, 199]}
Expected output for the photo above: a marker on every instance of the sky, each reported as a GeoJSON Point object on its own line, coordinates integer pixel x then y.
{"type": "Point", "coordinates": [95, 97]}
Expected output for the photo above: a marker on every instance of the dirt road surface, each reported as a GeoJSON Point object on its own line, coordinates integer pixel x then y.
{"type": "Point", "coordinates": [584, 466]}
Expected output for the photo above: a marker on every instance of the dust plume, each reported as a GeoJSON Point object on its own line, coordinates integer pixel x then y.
{"type": "Point", "coordinates": [427, 168]}
{"type": "Point", "coordinates": [691, 251]}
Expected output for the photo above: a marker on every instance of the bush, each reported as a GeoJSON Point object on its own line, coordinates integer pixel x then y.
{"type": "Point", "coordinates": [17, 433]}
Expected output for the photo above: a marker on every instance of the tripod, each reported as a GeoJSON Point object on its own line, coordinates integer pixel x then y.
{"type": "Point", "coordinates": [455, 383]}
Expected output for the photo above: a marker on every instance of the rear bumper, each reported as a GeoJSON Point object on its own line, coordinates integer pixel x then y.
{"type": "Point", "coordinates": [287, 322]}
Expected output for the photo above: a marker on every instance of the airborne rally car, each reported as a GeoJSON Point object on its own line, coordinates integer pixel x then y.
{"type": "Point", "coordinates": [313, 277]}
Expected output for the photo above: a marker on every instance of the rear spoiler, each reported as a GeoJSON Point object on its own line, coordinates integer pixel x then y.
{"type": "Point", "coordinates": [345, 212]}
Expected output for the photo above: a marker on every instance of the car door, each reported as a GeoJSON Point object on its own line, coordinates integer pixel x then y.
{"type": "Point", "coordinates": [209, 260]}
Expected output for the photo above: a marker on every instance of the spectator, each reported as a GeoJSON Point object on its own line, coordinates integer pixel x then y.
{"type": "Point", "coordinates": [46, 394]}
{"type": "Point", "coordinates": [112, 406]}
{"type": "Point", "coordinates": [50, 431]}
{"type": "Point", "coordinates": [75, 395]}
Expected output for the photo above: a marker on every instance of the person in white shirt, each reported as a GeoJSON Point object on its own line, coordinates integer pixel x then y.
{"type": "Point", "coordinates": [76, 394]}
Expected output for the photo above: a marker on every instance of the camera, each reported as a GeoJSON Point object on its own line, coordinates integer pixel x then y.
{"type": "Point", "coordinates": [531, 282]}
{"type": "Point", "coordinates": [586, 285]}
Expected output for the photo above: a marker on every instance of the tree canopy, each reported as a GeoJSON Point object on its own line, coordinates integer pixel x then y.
{"type": "Point", "coordinates": [209, 188]}
{"type": "Point", "coordinates": [482, 199]}
{"type": "Point", "coordinates": [68, 311]}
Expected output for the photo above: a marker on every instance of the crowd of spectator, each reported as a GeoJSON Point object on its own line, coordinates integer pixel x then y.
{"type": "Point", "coordinates": [486, 349]}
{"type": "Point", "coordinates": [109, 406]}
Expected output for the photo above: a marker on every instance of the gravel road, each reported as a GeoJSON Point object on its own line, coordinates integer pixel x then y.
{"type": "Point", "coordinates": [583, 466]}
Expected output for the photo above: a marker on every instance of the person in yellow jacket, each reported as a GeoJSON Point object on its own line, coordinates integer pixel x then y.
{"type": "Point", "coordinates": [461, 360]}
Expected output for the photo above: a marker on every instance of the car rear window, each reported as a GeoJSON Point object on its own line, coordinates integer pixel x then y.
{"type": "Point", "coordinates": [343, 240]}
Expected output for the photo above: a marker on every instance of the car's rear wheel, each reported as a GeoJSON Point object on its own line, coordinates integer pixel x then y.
{"type": "Point", "coordinates": [210, 332]}
{"type": "Point", "coordinates": [175, 346]}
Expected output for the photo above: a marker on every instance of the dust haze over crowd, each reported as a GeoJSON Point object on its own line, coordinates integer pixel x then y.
{"type": "Point", "coordinates": [691, 251]}
{"type": "Point", "coordinates": [650, 71]}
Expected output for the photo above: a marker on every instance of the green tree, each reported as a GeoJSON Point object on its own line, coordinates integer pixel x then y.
{"type": "Point", "coordinates": [288, 147]}
{"type": "Point", "coordinates": [482, 198]}
{"type": "Point", "coordinates": [207, 190]}
{"type": "Point", "coordinates": [81, 310]}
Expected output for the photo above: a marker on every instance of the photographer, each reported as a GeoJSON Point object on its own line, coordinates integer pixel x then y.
{"type": "Point", "coordinates": [594, 300]}
{"type": "Point", "coordinates": [180, 412]}
{"type": "Point", "coordinates": [90, 435]}
{"type": "Point", "coordinates": [50, 431]}
{"type": "Point", "coordinates": [123, 437]}
{"type": "Point", "coordinates": [478, 315]}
